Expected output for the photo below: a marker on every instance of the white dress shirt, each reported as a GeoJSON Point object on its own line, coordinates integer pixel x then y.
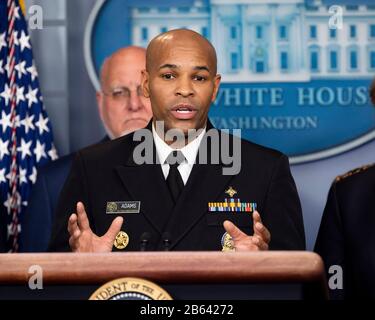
{"type": "Point", "coordinates": [189, 151]}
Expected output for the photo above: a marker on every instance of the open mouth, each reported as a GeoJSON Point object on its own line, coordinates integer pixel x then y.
{"type": "Point", "coordinates": [183, 111]}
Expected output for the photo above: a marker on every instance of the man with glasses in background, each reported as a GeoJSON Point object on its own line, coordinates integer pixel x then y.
{"type": "Point", "coordinates": [122, 109]}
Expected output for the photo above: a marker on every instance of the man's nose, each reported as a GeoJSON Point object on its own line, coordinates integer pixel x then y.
{"type": "Point", "coordinates": [184, 87]}
{"type": "Point", "coordinates": [135, 102]}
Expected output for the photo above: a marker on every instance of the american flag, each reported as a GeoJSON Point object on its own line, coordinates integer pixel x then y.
{"type": "Point", "coordinates": [26, 139]}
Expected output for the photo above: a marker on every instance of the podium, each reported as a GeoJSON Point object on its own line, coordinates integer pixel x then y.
{"type": "Point", "coordinates": [184, 275]}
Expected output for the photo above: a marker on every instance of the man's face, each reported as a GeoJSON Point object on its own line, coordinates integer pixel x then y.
{"type": "Point", "coordinates": [181, 83]}
{"type": "Point", "coordinates": [122, 106]}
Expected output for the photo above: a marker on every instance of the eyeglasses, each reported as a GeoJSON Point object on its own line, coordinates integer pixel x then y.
{"type": "Point", "coordinates": [123, 93]}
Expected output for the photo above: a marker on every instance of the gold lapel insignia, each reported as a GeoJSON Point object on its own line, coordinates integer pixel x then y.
{"type": "Point", "coordinates": [231, 192]}
{"type": "Point", "coordinates": [111, 207]}
{"type": "Point", "coordinates": [121, 240]}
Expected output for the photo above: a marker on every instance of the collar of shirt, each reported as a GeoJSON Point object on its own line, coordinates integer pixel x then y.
{"type": "Point", "coordinates": [189, 151]}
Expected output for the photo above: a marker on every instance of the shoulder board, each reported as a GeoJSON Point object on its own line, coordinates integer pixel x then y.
{"type": "Point", "coordinates": [354, 172]}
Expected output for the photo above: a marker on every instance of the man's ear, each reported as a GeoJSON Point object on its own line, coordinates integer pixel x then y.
{"type": "Point", "coordinates": [145, 84]}
{"type": "Point", "coordinates": [99, 102]}
{"type": "Point", "coordinates": [216, 87]}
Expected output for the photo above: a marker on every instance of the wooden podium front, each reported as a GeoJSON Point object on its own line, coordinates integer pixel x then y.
{"type": "Point", "coordinates": [185, 275]}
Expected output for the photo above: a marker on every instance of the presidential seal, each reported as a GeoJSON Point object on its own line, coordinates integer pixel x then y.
{"type": "Point", "coordinates": [130, 289]}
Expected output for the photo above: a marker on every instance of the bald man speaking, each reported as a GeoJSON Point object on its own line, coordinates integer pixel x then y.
{"type": "Point", "coordinates": [184, 198]}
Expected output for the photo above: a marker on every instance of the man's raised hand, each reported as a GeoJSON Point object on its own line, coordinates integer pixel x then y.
{"type": "Point", "coordinates": [82, 239]}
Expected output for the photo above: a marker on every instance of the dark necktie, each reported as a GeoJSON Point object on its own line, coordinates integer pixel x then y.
{"type": "Point", "coordinates": [174, 180]}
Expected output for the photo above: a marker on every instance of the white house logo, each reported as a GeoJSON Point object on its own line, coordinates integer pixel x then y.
{"type": "Point", "coordinates": [292, 80]}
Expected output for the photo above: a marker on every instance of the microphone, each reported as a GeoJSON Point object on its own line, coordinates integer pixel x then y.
{"type": "Point", "coordinates": [145, 238]}
{"type": "Point", "coordinates": [166, 240]}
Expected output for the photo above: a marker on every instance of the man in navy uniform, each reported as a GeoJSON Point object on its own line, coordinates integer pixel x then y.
{"type": "Point", "coordinates": [346, 237]}
{"type": "Point", "coordinates": [122, 109]}
{"type": "Point", "coordinates": [178, 203]}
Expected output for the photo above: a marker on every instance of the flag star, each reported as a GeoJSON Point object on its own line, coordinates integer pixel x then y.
{"type": "Point", "coordinates": [15, 37]}
{"type": "Point", "coordinates": [32, 177]}
{"type": "Point", "coordinates": [33, 72]}
{"type": "Point", "coordinates": [42, 124]}
{"type": "Point", "coordinates": [39, 151]}
{"type": "Point", "coordinates": [8, 176]}
{"type": "Point", "coordinates": [22, 176]}
{"type": "Point", "coordinates": [17, 12]}
{"type": "Point", "coordinates": [2, 176]}
{"type": "Point", "coordinates": [31, 96]}
{"type": "Point", "coordinates": [24, 41]}
{"type": "Point", "coordinates": [5, 120]}
{"type": "Point", "coordinates": [21, 69]}
{"type": "Point", "coordinates": [16, 205]}
{"type": "Point", "coordinates": [3, 148]}
{"type": "Point", "coordinates": [2, 41]}
{"type": "Point", "coordinates": [6, 94]}
{"type": "Point", "coordinates": [53, 153]}
{"type": "Point", "coordinates": [25, 148]}
{"type": "Point", "coordinates": [1, 66]}
{"type": "Point", "coordinates": [17, 121]}
{"type": "Point", "coordinates": [7, 202]}
{"type": "Point", "coordinates": [20, 95]}
{"type": "Point", "coordinates": [28, 123]}
{"type": "Point", "coordinates": [10, 229]}
{"type": "Point", "coordinates": [7, 67]}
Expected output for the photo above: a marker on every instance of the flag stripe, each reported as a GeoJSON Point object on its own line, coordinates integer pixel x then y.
{"type": "Point", "coordinates": [26, 139]}
{"type": "Point", "coordinates": [13, 176]}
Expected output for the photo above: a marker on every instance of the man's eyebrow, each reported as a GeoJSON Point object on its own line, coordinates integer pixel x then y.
{"type": "Point", "coordinates": [201, 68]}
{"type": "Point", "coordinates": [120, 87]}
{"type": "Point", "coordinates": [174, 66]}
{"type": "Point", "coordinates": [168, 65]}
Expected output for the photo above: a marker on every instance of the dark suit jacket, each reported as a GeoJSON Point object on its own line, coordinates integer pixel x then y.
{"type": "Point", "coordinates": [107, 172]}
{"type": "Point", "coordinates": [347, 232]}
{"type": "Point", "coordinates": [38, 219]}
{"type": "Point", "coordinates": [37, 222]}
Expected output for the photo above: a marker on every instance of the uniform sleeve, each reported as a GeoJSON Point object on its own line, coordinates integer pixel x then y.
{"type": "Point", "coordinates": [282, 211]}
{"type": "Point", "coordinates": [74, 190]}
{"type": "Point", "coordinates": [330, 241]}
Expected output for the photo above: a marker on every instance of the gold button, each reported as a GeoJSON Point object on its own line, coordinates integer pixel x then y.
{"type": "Point", "coordinates": [121, 240]}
